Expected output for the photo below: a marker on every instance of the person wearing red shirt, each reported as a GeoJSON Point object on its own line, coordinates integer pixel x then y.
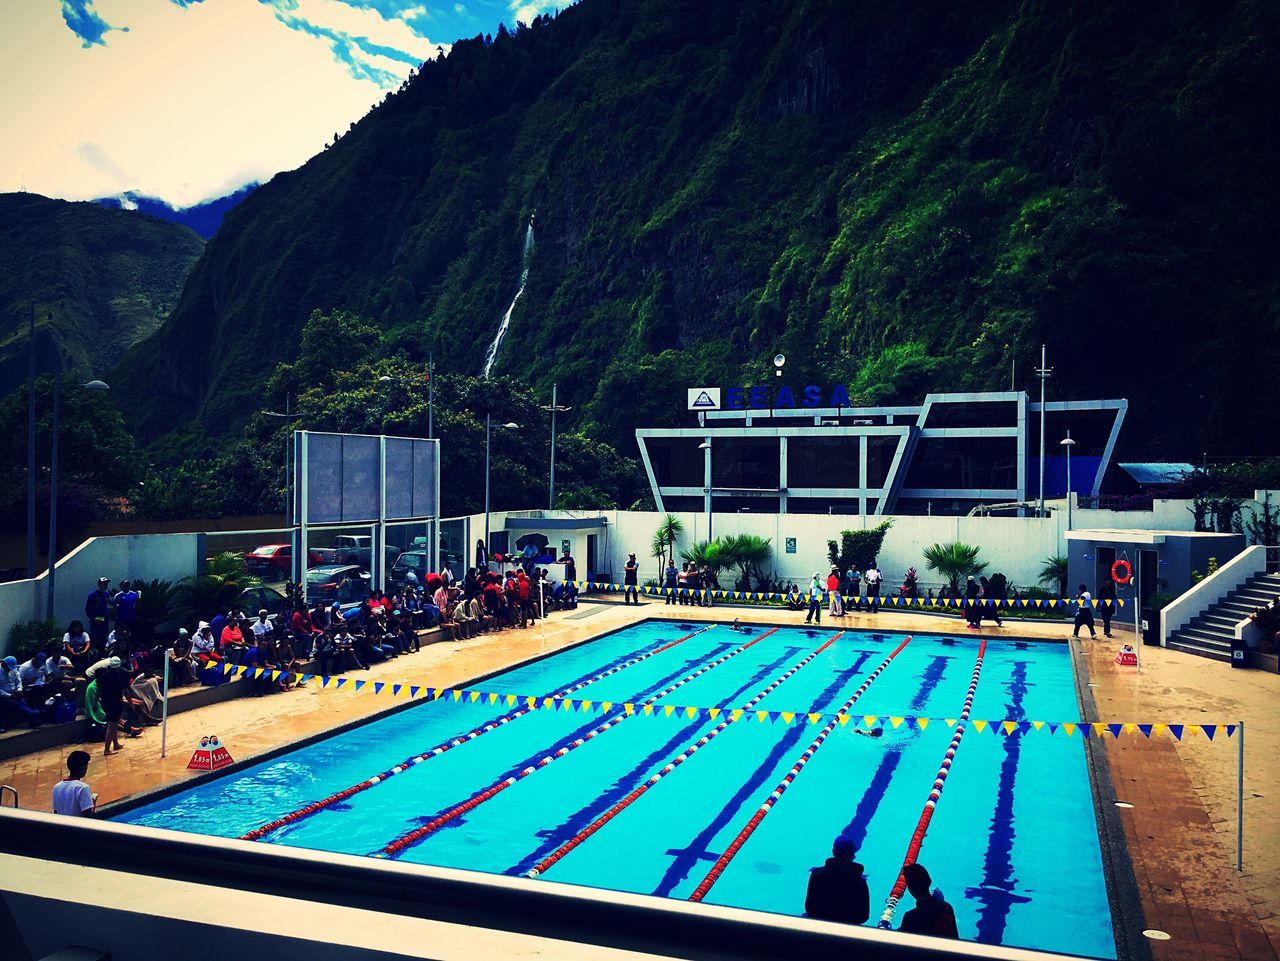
{"type": "Point", "coordinates": [833, 593]}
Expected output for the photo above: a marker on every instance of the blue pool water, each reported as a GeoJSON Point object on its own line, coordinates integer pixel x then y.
{"type": "Point", "coordinates": [1013, 843]}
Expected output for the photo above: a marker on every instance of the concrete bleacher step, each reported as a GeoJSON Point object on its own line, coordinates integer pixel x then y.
{"type": "Point", "coordinates": [1177, 643]}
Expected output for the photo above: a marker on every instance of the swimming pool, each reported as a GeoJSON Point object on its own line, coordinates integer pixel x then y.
{"type": "Point", "coordinates": [651, 804]}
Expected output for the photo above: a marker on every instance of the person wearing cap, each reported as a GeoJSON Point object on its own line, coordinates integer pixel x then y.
{"type": "Point", "coordinates": [97, 608]}
{"type": "Point", "coordinates": [833, 592]}
{"type": "Point", "coordinates": [203, 646]}
{"type": "Point", "coordinates": [932, 914]}
{"type": "Point", "coordinates": [629, 572]}
{"type": "Point", "coordinates": [816, 593]}
{"type": "Point", "coordinates": [111, 682]}
{"type": "Point", "coordinates": [837, 889]}
{"type": "Point", "coordinates": [263, 627]}
{"type": "Point", "coordinates": [873, 578]}
{"type": "Point", "coordinates": [12, 702]}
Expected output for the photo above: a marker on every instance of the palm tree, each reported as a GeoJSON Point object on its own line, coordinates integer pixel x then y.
{"type": "Point", "coordinates": [224, 579]}
{"type": "Point", "coordinates": [669, 530]}
{"type": "Point", "coordinates": [748, 553]}
{"type": "Point", "coordinates": [658, 550]}
{"type": "Point", "coordinates": [1053, 573]}
{"type": "Point", "coordinates": [708, 554]}
{"type": "Point", "coordinates": [954, 561]}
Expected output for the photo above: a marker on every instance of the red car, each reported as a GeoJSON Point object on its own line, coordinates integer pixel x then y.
{"type": "Point", "coordinates": [277, 559]}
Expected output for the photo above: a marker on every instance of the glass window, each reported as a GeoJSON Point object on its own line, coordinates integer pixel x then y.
{"type": "Point", "coordinates": [745, 462]}
{"type": "Point", "coordinates": [880, 451]}
{"type": "Point", "coordinates": [677, 461]}
{"type": "Point", "coordinates": [990, 413]}
{"type": "Point", "coordinates": [822, 462]}
{"type": "Point", "coordinates": [975, 463]}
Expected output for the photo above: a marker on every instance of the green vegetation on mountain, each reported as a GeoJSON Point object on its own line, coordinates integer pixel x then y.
{"type": "Point", "coordinates": [899, 196]}
{"type": "Point", "coordinates": [99, 280]}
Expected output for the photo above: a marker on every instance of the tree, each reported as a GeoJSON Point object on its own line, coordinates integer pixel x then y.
{"type": "Point", "coordinates": [214, 591]}
{"type": "Point", "coordinates": [658, 551]}
{"type": "Point", "coordinates": [748, 553]}
{"type": "Point", "coordinates": [708, 554]}
{"type": "Point", "coordinates": [954, 561]}
{"type": "Point", "coordinates": [1053, 573]}
{"type": "Point", "coordinates": [858, 547]}
{"type": "Point", "coordinates": [669, 530]}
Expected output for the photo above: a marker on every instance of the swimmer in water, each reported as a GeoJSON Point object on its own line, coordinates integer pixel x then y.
{"type": "Point", "coordinates": [737, 626]}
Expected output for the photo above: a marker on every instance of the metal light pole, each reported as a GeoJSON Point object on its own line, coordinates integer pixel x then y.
{"type": "Point", "coordinates": [53, 481]}
{"type": "Point", "coordinates": [431, 398]}
{"type": "Point", "coordinates": [31, 444]}
{"type": "Point", "coordinates": [554, 408]}
{"type": "Point", "coordinates": [1068, 443]}
{"type": "Point", "coordinates": [706, 446]}
{"type": "Point", "coordinates": [488, 434]}
{"type": "Point", "coordinates": [288, 478]}
{"type": "Point", "coordinates": [1043, 372]}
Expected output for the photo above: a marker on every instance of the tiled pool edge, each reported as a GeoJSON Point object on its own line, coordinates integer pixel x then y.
{"type": "Point", "coordinates": [1127, 916]}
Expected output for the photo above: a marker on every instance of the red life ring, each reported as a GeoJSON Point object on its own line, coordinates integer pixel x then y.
{"type": "Point", "coordinates": [1121, 572]}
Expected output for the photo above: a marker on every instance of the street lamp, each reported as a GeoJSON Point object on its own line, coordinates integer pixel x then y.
{"type": "Point", "coordinates": [288, 445]}
{"type": "Point", "coordinates": [706, 446]}
{"type": "Point", "coordinates": [487, 446]}
{"type": "Point", "coordinates": [94, 385]}
{"type": "Point", "coordinates": [1068, 443]}
{"type": "Point", "coordinates": [554, 409]}
{"type": "Point", "coordinates": [778, 361]}
{"type": "Point", "coordinates": [431, 396]}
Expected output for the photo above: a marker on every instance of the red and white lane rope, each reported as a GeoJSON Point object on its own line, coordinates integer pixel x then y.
{"type": "Point", "coordinates": [730, 717]}
{"type": "Point", "coordinates": [316, 806]}
{"type": "Point", "coordinates": [435, 824]}
{"type": "Point", "coordinates": [731, 851]}
{"type": "Point", "coordinates": [922, 826]}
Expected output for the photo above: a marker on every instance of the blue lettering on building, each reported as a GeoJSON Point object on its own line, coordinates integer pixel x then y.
{"type": "Point", "coordinates": [766, 398]}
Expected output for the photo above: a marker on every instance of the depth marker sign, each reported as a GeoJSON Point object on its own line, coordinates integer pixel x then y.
{"type": "Point", "coordinates": [704, 398]}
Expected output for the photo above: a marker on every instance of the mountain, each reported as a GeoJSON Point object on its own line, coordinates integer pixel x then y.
{"type": "Point", "coordinates": [100, 281]}
{"type": "Point", "coordinates": [899, 196]}
{"type": "Point", "coordinates": [204, 219]}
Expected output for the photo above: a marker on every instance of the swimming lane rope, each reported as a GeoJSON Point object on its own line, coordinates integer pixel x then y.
{"type": "Point", "coordinates": [775, 795]}
{"type": "Point", "coordinates": [435, 824]}
{"type": "Point", "coordinates": [729, 718]}
{"type": "Point", "coordinates": [922, 826]}
{"type": "Point", "coordinates": [332, 799]}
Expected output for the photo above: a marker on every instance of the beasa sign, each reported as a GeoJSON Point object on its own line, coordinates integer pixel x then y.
{"type": "Point", "coordinates": [784, 397]}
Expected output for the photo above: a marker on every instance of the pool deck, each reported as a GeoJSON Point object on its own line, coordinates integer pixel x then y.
{"type": "Point", "coordinates": [1180, 834]}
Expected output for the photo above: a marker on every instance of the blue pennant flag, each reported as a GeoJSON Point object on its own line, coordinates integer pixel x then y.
{"type": "Point", "coordinates": [1176, 731]}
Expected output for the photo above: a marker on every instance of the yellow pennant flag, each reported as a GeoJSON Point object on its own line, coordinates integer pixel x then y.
{"type": "Point", "coordinates": [475, 696]}
{"type": "Point", "coordinates": [713, 712]}
{"type": "Point", "coordinates": [668, 709]}
{"type": "Point", "coordinates": [814, 718]}
{"type": "Point", "coordinates": [1130, 727]}
{"type": "Point", "coordinates": [761, 715]}
{"type": "Point", "coordinates": [922, 722]}
{"type": "Point", "coordinates": [1158, 729]}
{"type": "Point", "coordinates": [949, 721]}
{"type": "Point", "coordinates": [787, 717]}
{"type": "Point", "coordinates": [628, 708]}
{"type": "Point", "coordinates": [690, 712]}
{"type": "Point", "coordinates": [870, 720]}
{"type": "Point", "coordinates": [844, 720]}
{"type": "Point", "coordinates": [586, 705]}
{"type": "Point", "coordinates": [648, 710]}
{"type": "Point", "coordinates": [493, 698]}
{"type": "Point", "coordinates": [979, 726]}
{"type": "Point", "coordinates": [548, 703]}
{"type": "Point", "coordinates": [1069, 728]}
{"type": "Point", "coordinates": [606, 706]}
{"type": "Point", "coordinates": [736, 714]}
{"type": "Point", "coordinates": [1098, 728]}
{"type": "Point", "coordinates": [1009, 726]}
{"type": "Point", "coordinates": [531, 702]}
{"type": "Point", "coordinates": [896, 721]}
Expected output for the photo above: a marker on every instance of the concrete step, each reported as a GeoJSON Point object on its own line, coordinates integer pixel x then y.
{"type": "Point", "coordinates": [1222, 621]}
{"type": "Point", "coordinates": [1176, 643]}
{"type": "Point", "coordinates": [1206, 638]}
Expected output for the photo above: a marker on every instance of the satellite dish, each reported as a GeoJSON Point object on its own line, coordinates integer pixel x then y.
{"type": "Point", "coordinates": [779, 360]}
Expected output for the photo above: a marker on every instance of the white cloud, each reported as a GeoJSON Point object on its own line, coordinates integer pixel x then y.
{"type": "Point", "coordinates": [190, 103]}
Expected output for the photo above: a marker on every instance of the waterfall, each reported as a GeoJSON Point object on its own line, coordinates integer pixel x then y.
{"type": "Point", "coordinates": [491, 354]}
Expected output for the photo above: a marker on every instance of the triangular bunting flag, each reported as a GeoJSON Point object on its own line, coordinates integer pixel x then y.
{"type": "Point", "coordinates": [586, 706]}
{"type": "Point", "coordinates": [511, 699]}
{"type": "Point", "coordinates": [1115, 729]}
{"type": "Point", "coordinates": [493, 698]}
{"type": "Point", "coordinates": [1099, 727]}
{"type": "Point", "coordinates": [414, 689]}
{"type": "Point", "coordinates": [473, 696]}
{"type": "Point", "coordinates": [690, 712]}
{"type": "Point", "coordinates": [360, 684]}
{"type": "Point", "coordinates": [324, 681]}
{"type": "Point", "coordinates": [378, 686]}
{"type": "Point", "coordinates": [1037, 724]}
{"type": "Point", "coordinates": [979, 726]}
{"type": "Point", "coordinates": [1009, 727]}
{"type": "Point", "coordinates": [395, 689]}
{"type": "Point", "coordinates": [1145, 729]}
{"type": "Point", "coordinates": [814, 718]}
{"type": "Point", "coordinates": [761, 715]}
{"type": "Point", "coordinates": [949, 721]}
{"type": "Point", "coordinates": [870, 720]}
{"type": "Point", "coordinates": [788, 717]}
{"type": "Point", "coordinates": [844, 720]}
{"type": "Point", "coordinates": [922, 722]}
{"type": "Point", "coordinates": [1069, 728]}
{"type": "Point", "coordinates": [713, 712]}
{"type": "Point", "coordinates": [341, 681]}
{"type": "Point", "coordinates": [1209, 730]}
{"type": "Point", "coordinates": [896, 722]}
{"type": "Point", "coordinates": [606, 706]}
{"type": "Point", "coordinates": [1230, 729]}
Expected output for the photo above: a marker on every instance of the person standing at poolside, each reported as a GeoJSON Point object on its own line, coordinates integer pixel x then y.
{"type": "Point", "coordinates": [833, 593]}
{"type": "Point", "coordinates": [1084, 613]}
{"type": "Point", "coordinates": [1106, 603]}
{"type": "Point", "coordinates": [816, 593]}
{"type": "Point", "coordinates": [630, 571]}
{"type": "Point", "coordinates": [71, 795]}
{"type": "Point", "coordinates": [873, 577]}
{"type": "Point", "coordinates": [97, 609]}
{"type": "Point", "coordinates": [669, 582]}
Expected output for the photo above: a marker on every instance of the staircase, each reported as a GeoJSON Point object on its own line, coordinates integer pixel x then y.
{"type": "Point", "coordinates": [1211, 632]}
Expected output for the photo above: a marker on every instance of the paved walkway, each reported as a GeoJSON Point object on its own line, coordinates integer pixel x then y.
{"type": "Point", "coordinates": [1180, 834]}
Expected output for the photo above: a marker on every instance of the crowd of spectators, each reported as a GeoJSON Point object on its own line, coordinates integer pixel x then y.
{"type": "Point", "coordinates": [105, 665]}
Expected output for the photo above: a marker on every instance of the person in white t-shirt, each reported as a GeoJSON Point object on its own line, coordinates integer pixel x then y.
{"type": "Point", "coordinates": [1084, 613]}
{"type": "Point", "coordinates": [71, 796]}
{"type": "Point", "coordinates": [263, 627]}
{"type": "Point", "coordinates": [872, 578]}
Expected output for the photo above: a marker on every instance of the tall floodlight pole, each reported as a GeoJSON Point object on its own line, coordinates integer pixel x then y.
{"type": "Point", "coordinates": [431, 398]}
{"type": "Point", "coordinates": [1043, 372]}
{"type": "Point", "coordinates": [1068, 443]}
{"type": "Point", "coordinates": [31, 443]}
{"type": "Point", "coordinates": [487, 435]}
{"type": "Point", "coordinates": [554, 408]}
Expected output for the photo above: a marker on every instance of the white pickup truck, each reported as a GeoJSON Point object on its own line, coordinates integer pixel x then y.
{"type": "Point", "coordinates": [358, 549]}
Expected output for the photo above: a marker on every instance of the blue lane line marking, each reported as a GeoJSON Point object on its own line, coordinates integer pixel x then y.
{"type": "Point", "coordinates": [554, 837]}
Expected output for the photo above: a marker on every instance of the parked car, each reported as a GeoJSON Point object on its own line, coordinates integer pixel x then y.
{"type": "Point", "coordinates": [275, 560]}
{"type": "Point", "coordinates": [413, 562]}
{"type": "Point", "coordinates": [344, 583]}
{"type": "Point", "coordinates": [358, 549]}
{"type": "Point", "coordinates": [254, 599]}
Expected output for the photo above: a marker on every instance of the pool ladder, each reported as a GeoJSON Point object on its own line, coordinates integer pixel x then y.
{"type": "Point", "coordinates": [9, 789]}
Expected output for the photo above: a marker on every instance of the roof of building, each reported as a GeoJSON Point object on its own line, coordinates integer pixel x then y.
{"type": "Point", "coordinates": [1153, 475]}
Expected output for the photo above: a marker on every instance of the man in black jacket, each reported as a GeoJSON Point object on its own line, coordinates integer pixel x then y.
{"type": "Point", "coordinates": [837, 889]}
{"type": "Point", "coordinates": [932, 914]}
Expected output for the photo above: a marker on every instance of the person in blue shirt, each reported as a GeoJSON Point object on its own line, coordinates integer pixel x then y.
{"type": "Point", "coordinates": [669, 581]}
{"type": "Point", "coordinates": [127, 605]}
{"type": "Point", "coordinates": [97, 608]}
{"type": "Point", "coordinates": [12, 703]}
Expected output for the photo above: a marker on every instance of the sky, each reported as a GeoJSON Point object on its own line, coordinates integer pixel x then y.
{"type": "Point", "coordinates": [188, 100]}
